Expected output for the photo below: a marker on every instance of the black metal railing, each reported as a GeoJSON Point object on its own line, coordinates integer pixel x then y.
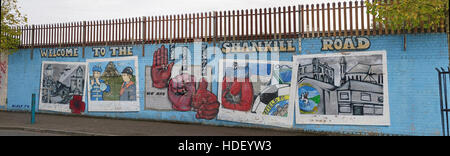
{"type": "Point", "coordinates": [443, 94]}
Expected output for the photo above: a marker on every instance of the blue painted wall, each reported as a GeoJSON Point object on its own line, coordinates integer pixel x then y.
{"type": "Point", "coordinates": [413, 83]}
{"type": "Point", "coordinates": [413, 87]}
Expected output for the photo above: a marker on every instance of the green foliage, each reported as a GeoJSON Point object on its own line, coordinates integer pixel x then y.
{"type": "Point", "coordinates": [409, 14]}
{"type": "Point", "coordinates": [11, 18]}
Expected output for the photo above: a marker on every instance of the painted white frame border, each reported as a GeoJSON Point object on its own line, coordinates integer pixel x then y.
{"type": "Point", "coordinates": [53, 106]}
{"type": "Point", "coordinates": [248, 117]}
{"type": "Point", "coordinates": [383, 120]}
{"type": "Point", "coordinates": [115, 106]}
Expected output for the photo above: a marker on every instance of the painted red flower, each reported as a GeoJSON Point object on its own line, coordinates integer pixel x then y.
{"type": "Point", "coordinates": [77, 105]}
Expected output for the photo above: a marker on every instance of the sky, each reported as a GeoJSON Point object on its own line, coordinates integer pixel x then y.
{"type": "Point", "coordinates": [61, 11]}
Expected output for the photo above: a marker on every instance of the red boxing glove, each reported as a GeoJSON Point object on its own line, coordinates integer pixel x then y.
{"type": "Point", "coordinates": [181, 91]}
{"type": "Point", "coordinates": [161, 70]}
{"type": "Point", "coordinates": [205, 102]}
{"type": "Point", "coordinates": [76, 105]}
{"type": "Point", "coordinates": [237, 95]}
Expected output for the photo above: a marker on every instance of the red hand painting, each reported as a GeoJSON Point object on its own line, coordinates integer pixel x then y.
{"type": "Point", "coordinates": [161, 70]}
{"type": "Point", "coordinates": [205, 102]}
{"type": "Point", "coordinates": [237, 95]}
{"type": "Point", "coordinates": [181, 91]}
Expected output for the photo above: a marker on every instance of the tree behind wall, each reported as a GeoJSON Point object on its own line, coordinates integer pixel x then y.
{"type": "Point", "coordinates": [11, 18]}
{"type": "Point", "coordinates": [409, 14]}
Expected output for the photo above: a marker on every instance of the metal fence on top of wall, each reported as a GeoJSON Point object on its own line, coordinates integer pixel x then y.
{"type": "Point", "coordinates": [305, 21]}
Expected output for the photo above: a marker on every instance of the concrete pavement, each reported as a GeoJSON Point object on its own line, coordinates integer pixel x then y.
{"type": "Point", "coordinates": [90, 126]}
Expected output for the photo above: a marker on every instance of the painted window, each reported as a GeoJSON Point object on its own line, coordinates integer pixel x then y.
{"type": "Point", "coordinates": [344, 96]}
{"type": "Point", "coordinates": [365, 97]}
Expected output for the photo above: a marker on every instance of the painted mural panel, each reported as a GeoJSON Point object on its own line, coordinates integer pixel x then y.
{"type": "Point", "coordinates": [3, 79]}
{"type": "Point", "coordinates": [157, 98]}
{"type": "Point", "coordinates": [342, 88]}
{"type": "Point", "coordinates": [113, 84]}
{"type": "Point", "coordinates": [253, 91]}
{"type": "Point", "coordinates": [61, 83]}
{"type": "Point", "coordinates": [177, 85]}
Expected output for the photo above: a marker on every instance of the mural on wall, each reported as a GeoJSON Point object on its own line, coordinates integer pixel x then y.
{"type": "Point", "coordinates": [342, 88]}
{"type": "Point", "coordinates": [3, 79]}
{"type": "Point", "coordinates": [113, 84]}
{"type": "Point", "coordinates": [60, 83]}
{"type": "Point", "coordinates": [255, 91]}
{"type": "Point", "coordinates": [173, 86]}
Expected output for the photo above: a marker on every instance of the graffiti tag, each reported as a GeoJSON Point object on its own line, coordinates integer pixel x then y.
{"type": "Point", "coordinates": [3, 67]}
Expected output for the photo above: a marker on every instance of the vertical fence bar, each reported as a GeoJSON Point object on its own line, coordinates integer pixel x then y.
{"type": "Point", "coordinates": [159, 29]}
{"type": "Point", "coordinates": [32, 40]}
{"type": "Point", "coordinates": [227, 29]}
{"type": "Point", "coordinates": [345, 18]}
{"type": "Point", "coordinates": [104, 32]}
{"type": "Point", "coordinates": [334, 18]}
{"type": "Point", "coordinates": [163, 29]}
{"type": "Point", "coordinates": [210, 37]}
{"type": "Point", "coordinates": [191, 28]}
{"type": "Point", "coordinates": [238, 24]}
{"type": "Point", "coordinates": [261, 29]}
{"type": "Point", "coordinates": [234, 25]}
{"type": "Point", "coordinates": [138, 29]}
{"type": "Point", "coordinates": [46, 35]}
{"type": "Point", "coordinates": [199, 18]}
{"type": "Point", "coordinates": [328, 20]}
{"type": "Point", "coordinates": [323, 19]}
{"type": "Point", "coordinates": [368, 17]}
{"type": "Point", "coordinates": [97, 37]}
{"type": "Point", "coordinates": [167, 28]}
{"type": "Point", "coordinates": [270, 23]}
{"type": "Point", "coordinates": [294, 16]}
{"type": "Point", "coordinates": [308, 30]}
{"type": "Point", "coordinates": [362, 17]}
{"type": "Point", "coordinates": [128, 29]}
{"type": "Point", "coordinates": [350, 8]}
{"type": "Point", "coordinates": [84, 38]}
{"type": "Point", "coordinates": [180, 28]}
{"type": "Point", "coordinates": [153, 37]}
{"type": "Point", "coordinates": [356, 19]}
{"type": "Point", "coordinates": [266, 33]}
{"type": "Point", "coordinates": [251, 23]}
{"type": "Point", "coordinates": [301, 21]}
{"type": "Point", "coordinates": [144, 32]}
{"type": "Point", "coordinates": [313, 26]}
{"type": "Point", "coordinates": [185, 27]}
{"type": "Point", "coordinates": [71, 33]}
{"type": "Point", "coordinates": [289, 22]}
{"type": "Point", "coordinates": [284, 23]}
{"type": "Point", "coordinates": [246, 25]}
{"type": "Point", "coordinates": [256, 24]}
{"type": "Point", "coordinates": [110, 39]}
{"type": "Point", "coordinates": [38, 35]}
{"type": "Point", "coordinates": [318, 19]}
{"type": "Point", "coordinates": [220, 22]}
